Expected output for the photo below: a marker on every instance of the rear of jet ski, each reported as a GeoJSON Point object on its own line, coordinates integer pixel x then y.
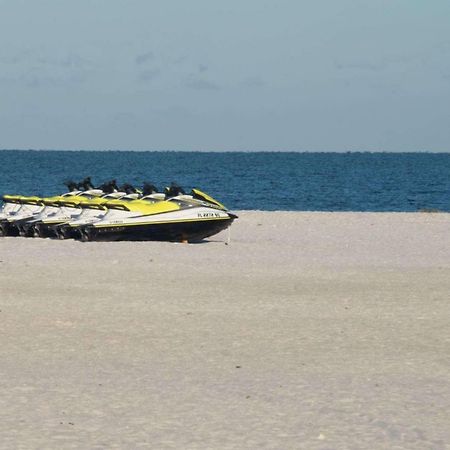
{"type": "Point", "coordinates": [68, 209]}
{"type": "Point", "coordinates": [37, 226]}
{"type": "Point", "coordinates": [93, 211]}
{"type": "Point", "coordinates": [11, 205]}
{"type": "Point", "coordinates": [47, 206]}
{"type": "Point", "coordinates": [32, 206]}
{"type": "Point", "coordinates": [28, 227]}
{"type": "Point", "coordinates": [26, 208]}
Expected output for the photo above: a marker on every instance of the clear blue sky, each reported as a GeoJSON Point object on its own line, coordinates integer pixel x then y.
{"type": "Point", "coordinates": [225, 75]}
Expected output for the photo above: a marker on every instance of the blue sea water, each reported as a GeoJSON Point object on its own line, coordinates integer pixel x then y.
{"type": "Point", "coordinates": [247, 180]}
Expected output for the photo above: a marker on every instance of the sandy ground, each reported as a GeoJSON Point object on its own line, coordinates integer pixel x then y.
{"type": "Point", "coordinates": [309, 331]}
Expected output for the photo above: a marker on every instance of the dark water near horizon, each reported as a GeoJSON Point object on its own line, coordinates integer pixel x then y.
{"type": "Point", "coordinates": [257, 181]}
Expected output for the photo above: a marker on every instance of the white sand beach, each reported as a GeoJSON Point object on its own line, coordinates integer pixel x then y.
{"type": "Point", "coordinates": [309, 331]}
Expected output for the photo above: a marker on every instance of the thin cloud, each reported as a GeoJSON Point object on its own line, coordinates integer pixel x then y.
{"type": "Point", "coordinates": [360, 66]}
{"type": "Point", "coordinates": [201, 84]}
{"type": "Point", "coordinates": [144, 58]}
{"type": "Point", "coordinates": [149, 75]}
{"type": "Point", "coordinates": [381, 64]}
{"type": "Point", "coordinates": [253, 82]}
{"type": "Point", "coordinates": [16, 59]}
{"type": "Point", "coordinates": [71, 61]}
{"type": "Point", "coordinates": [37, 79]}
{"type": "Point", "coordinates": [124, 117]}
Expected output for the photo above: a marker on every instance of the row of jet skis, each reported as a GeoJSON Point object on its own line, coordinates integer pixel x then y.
{"type": "Point", "coordinates": [110, 213]}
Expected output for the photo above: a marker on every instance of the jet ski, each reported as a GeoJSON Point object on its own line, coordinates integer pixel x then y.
{"type": "Point", "coordinates": [11, 206]}
{"type": "Point", "coordinates": [169, 216]}
{"type": "Point", "coordinates": [59, 212]}
{"type": "Point", "coordinates": [20, 214]}
{"type": "Point", "coordinates": [15, 209]}
{"type": "Point", "coordinates": [91, 211]}
{"type": "Point", "coordinates": [18, 209]}
{"type": "Point", "coordinates": [67, 208]}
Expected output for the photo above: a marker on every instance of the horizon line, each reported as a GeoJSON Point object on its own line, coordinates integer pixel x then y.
{"type": "Point", "coordinates": [219, 151]}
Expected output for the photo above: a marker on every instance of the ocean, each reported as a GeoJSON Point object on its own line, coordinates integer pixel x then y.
{"type": "Point", "coordinates": [249, 180]}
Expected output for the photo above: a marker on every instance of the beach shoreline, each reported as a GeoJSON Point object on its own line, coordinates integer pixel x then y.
{"type": "Point", "coordinates": [310, 330]}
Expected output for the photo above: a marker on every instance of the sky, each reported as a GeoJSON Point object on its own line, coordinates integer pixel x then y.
{"type": "Point", "coordinates": [280, 75]}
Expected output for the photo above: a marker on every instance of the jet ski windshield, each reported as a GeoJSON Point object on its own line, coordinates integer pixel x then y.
{"type": "Point", "coordinates": [199, 195]}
